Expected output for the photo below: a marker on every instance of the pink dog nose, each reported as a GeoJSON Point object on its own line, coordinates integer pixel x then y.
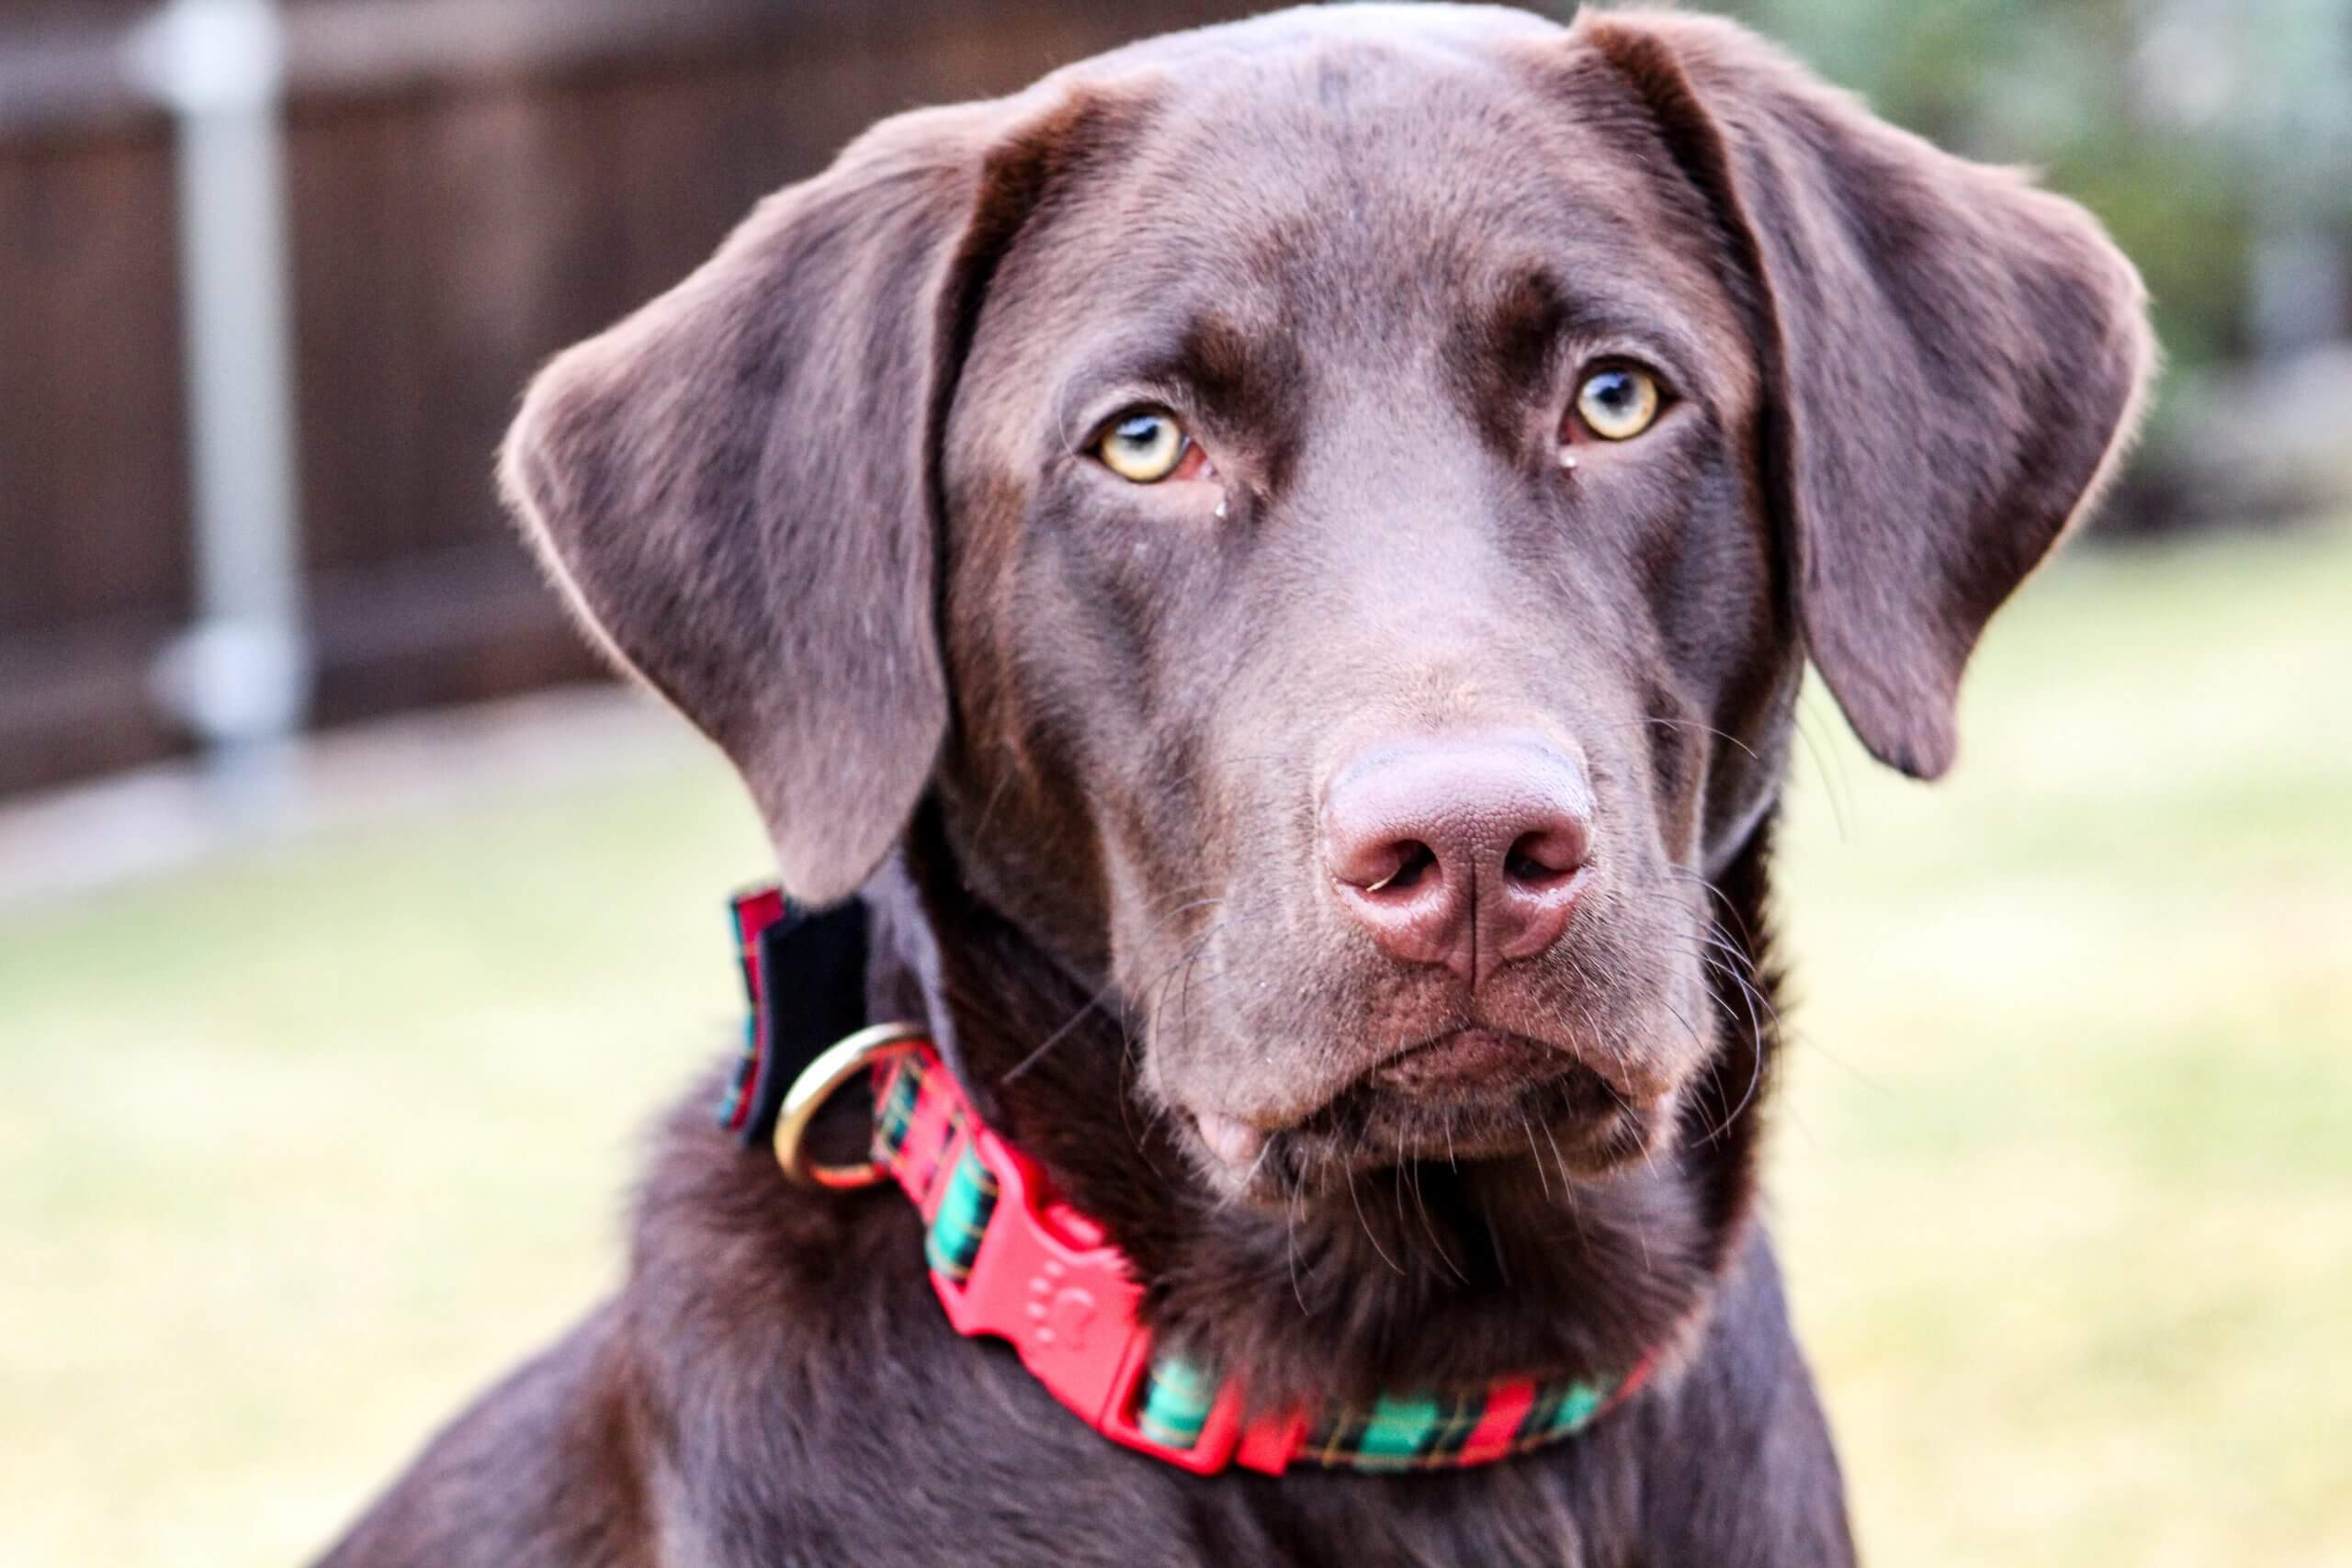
{"type": "Point", "coordinates": [1460, 853]}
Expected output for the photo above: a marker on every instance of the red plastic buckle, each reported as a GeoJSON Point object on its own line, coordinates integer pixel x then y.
{"type": "Point", "coordinates": [1046, 1281]}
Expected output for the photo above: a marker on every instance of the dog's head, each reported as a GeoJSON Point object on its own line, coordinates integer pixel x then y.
{"type": "Point", "coordinates": [1334, 510]}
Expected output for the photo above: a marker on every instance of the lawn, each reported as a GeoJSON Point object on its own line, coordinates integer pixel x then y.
{"type": "Point", "coordinates": [298, 1149]}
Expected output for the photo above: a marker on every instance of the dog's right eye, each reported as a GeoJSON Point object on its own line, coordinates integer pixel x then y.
{"type": "Point", "coordinates": [1145, 446]}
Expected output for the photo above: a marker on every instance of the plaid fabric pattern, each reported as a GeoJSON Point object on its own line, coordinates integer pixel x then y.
{"type": "Point", "coordinates": [1173, 1403]}
{"type": "Point", "coordinates": [736, 1103]}
{"type": "Point", "coordinates": [918, 1116]}
{"type": "Point", "coordinates": [1398, 1433]}
{"type": "Point", "coordinates": [1393, 1433]}
{"type": "Point", "coordinates": [894, 1112]}
{"type": "Point", "coordinates": [749, 913]}
{"type": "Point", "coordinates": [1559, 1411]}
{"type": "Point", "coordinates": [962, 1219]}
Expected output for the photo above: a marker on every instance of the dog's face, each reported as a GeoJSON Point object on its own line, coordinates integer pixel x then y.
{"type": "Point", "coordinates": [1352, 548]}
{"type": "Point", "coordinates": [1334, 510]}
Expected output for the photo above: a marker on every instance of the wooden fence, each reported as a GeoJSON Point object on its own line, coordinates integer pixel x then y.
{"type": "Point", "coordinates": [472, 184]}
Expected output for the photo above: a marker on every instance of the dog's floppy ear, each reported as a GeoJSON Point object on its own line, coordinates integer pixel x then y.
{"type": "Point", "coordinates": [734, 486]}
{"type": "Point", "coordinates": [1953, 360]}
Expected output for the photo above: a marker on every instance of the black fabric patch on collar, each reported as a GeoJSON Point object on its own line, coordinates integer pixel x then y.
{"type": "Point", "coordinates": [809, 991]}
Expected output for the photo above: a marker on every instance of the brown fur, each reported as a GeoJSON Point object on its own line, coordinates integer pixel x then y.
{"type": "Point", "coordinates": [831, 498]}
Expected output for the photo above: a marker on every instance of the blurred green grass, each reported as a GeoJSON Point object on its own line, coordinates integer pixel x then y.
{"type": "Point", "coordinates": [296, 1151]}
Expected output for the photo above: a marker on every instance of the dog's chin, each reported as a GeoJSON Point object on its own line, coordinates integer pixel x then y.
{"type": "Point", "coordinates": [1567, 1124]}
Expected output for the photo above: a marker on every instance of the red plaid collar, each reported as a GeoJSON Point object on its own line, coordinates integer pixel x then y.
{"type": "Point", "coordinates": [1010, 1260]}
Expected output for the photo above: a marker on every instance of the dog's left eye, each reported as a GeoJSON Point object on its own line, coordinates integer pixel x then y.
{"type": "Point", "coordinates": [1617, 402]}
{"type": "Point", "coordinates": [1145, 446]}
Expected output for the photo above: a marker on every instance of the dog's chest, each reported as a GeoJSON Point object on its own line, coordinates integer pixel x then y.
{"type": "Point", "coordinates": [934, 1468]}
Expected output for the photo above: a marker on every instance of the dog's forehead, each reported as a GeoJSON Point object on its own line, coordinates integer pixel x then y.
{"type": "Point", "coordinates": [1383, 171]}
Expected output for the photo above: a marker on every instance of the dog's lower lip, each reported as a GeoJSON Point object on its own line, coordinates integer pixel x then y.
{"type": "Point", "coordinates": [1468, 1058]}
{"type": "Point", "coordinates": [1559, 1112]}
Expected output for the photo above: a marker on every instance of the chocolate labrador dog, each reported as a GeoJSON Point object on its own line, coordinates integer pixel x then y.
{"type": "Point", "coordinates": [1280, 560]}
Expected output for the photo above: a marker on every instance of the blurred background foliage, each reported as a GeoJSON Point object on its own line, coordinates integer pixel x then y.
{"type": "Point", "coordinates": [2214, 137]}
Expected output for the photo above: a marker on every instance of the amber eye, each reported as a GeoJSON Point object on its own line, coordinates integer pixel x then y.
{"type": "Point", "coordinates": [1143, 446]}
{"type": "Point", "coordinates": [1619, 403]}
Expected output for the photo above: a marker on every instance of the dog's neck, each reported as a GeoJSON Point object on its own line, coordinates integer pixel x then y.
{"type": "Point", "coordinates": [1421, 1275]}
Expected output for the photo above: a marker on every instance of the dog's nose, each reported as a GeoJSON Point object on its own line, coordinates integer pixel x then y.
{"type": "Point", "coordinates": [1462, 852]}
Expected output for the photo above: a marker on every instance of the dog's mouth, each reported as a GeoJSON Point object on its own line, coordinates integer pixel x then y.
{"type": "Point", "coordinates": [1466, 1065]}
{"type": "Point", "coordinates": [1465, 1094]}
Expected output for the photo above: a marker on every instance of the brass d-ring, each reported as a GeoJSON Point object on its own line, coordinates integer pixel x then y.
{"type": "Point", "coordinates": [835, 1065]}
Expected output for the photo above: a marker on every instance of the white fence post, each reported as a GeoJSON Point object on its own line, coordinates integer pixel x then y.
{"type": "Point", "coordinates": [241, 675]}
